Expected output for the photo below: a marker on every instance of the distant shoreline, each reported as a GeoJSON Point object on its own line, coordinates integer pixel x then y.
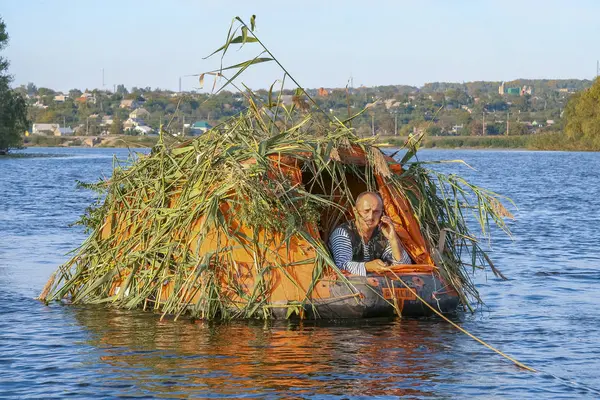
{"type": "Point", "coordinates": [120, 141]}
{"type": "Point", "coordinates": [124, 141]}
{"type": "Point", "coordinates": [524, 142]}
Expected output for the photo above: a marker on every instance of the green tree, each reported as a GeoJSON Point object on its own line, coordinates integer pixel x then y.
{"type": "Point", "coordinates": [496, 103]}
{"type": "Point", "coordinates": [48, 116]}
{"type": "Point", "coordinates": [493, 128]}
{"type": "Point", "coordinates": [405, 130]}
{"type": "Point", "coordinates": [457, 97]}
{"type": "Point", "coordinates": [74, 93]}
{"type": "Point", "coordinates": [31, 89]}
{"type": "Point", "coordinates": [116, 128]}
{"type": "Point", "coordinates": [476, 128]}
{"type": "Point", "coordinates": [516, 128]}
{"type": "Point", "coordinates": [433, 130]}
{"type": "Point", "coordinates": [13, 109]}
{"type": "Point", "coordinates": [583, 115]}
{"type": "Point", "coordinates": [122, 90]}
{"type": "Point", "coordinates": [46, 92]}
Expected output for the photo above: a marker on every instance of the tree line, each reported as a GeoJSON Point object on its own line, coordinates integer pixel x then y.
{"type": "Point", "coordinates": [559, 112]}
{"type": "Point", "coordinates": [13, 109]}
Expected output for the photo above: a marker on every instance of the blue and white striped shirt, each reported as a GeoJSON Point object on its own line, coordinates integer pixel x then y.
{"type": "Point", "coordinates": [341, 249]}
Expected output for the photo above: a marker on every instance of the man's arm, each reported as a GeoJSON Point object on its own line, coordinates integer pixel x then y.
{"type": "Point", "coordinates": [341, 249]}
{"type": "Point", "coordinates": [394, 252]}
{"type": "Point", "coordinates": [388, 256]}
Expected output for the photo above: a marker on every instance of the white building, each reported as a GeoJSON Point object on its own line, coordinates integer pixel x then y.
{"type": "Point", "coordinates": [42, 129]}
{"type": "Point", "coordinates": [63, 131]}
{"type": "Point", "coordinates": [143, 130]}
{"type": "Point", "coordinates": [140, 113]}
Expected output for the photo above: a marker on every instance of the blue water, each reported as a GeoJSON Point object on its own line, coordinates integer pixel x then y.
{"type": "Point", "coordinates": [546, 316]}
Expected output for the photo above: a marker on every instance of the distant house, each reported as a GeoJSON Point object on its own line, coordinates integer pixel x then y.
{"type": "Point", "coordinates": [60, 98]}
{"type": "Point", "coordinates": [199, 127]}
{"type": "Point", "coordinates": [130, 104]}
{"type": "Point", "coordinates": [143, 130]}
{"type": "Point", "coordinates": [457, 128]}
{"type": "Point", "coordinates": [132, 123]}
{"type": "Point", "coordinates": [129, 124]}
{"type": "Point", "coordinates": [106, 120]}
{"type": "Point", "coordinates": [44, 129]}
{"type": "Point", "coordinates": [80, 129]}
{"type": "Point", "coordinates": [139, 113]}
{"type": "Point", "coordinates": [373, 104]}
{"type": "Point", "coordinates": [86, 98]}
{"type": "Point", "coordinates": [526, 90]}
{"type": "Point", "coordinates": [38, 104]}
{"type": "Point", "coordinates": [391, 103]}
{"type": "Point", "coordinates": [63, 131]}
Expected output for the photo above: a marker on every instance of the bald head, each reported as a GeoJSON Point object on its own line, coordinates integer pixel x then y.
{"type": "Point", "coordinates": [369, 209]}
{"type": "Point", "coordinates": [370, 195]}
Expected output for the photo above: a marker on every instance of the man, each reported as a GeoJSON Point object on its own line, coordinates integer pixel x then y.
{"type": "Point", "coordinates": [369, 243]}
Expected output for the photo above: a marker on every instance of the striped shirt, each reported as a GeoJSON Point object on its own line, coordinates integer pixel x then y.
{"type": "Point", "coordinates": [341, 249]}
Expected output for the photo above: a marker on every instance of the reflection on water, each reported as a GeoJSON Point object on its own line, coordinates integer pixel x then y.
{"type": "Point", "coordinates": [546, 316]}
{"type": "Point", "coordinates": [378, 357]}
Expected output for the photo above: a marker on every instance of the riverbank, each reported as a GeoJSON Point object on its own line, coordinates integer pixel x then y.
{"type": "Point", "coordinates": [548, 141]}
{"type": "Point", "coordinates": [118, 141]}
{"type": "Point", "coordinates": [469, 142]}
{"type": "Point", "coordinates": [384, 141]}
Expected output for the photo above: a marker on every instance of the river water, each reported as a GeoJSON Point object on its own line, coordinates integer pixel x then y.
{"type": "Point", "coordinates": [546, 316]}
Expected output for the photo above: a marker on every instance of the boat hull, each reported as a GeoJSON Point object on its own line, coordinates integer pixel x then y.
{"type": "Point", "coordinates": [381, 296]}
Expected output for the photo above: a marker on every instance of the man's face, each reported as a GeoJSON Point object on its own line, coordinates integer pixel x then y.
{"type": "Point", "coordinates": [370, 210]}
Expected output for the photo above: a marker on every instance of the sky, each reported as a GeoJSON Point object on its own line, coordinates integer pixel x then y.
{"type": "Point", "coordinates": [64, 44]}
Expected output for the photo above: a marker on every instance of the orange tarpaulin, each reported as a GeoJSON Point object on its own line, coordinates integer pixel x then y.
{"type": "Point", "coordinates": [292, 278]}
{"type": "Point", "coordinates": [406, 226]}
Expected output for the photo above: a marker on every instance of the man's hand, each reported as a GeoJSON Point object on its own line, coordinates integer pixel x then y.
{"type": "Point", "coordinates": [375, 266]}
{"type": "Point", "coordinates": [387, 228]}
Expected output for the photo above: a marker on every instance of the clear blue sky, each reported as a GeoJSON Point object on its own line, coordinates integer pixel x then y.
{"type": "Point", "coordinates": [64, 44]}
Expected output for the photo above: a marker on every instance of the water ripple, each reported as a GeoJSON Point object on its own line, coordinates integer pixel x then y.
{"type": "Point", "coordinates": [545, 315]}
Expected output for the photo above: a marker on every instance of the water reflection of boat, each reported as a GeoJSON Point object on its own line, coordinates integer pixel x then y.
{"type": "Point", "coordinates": [143, 357]}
